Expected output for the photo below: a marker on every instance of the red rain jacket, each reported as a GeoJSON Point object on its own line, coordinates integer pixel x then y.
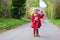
{"type": "Point", "coordinates": [34, 24]}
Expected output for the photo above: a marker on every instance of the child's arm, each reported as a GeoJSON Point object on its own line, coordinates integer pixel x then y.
{"type": "Point", "coordinates": [41, 15]}
{"type": "Point", "coordinates": [32, 18]}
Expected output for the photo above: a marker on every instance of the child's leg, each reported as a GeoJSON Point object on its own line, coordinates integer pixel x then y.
{"type": "Point", "coordinates": [37, 32]}
{"type": "Point", "coordinates": [34, 31]}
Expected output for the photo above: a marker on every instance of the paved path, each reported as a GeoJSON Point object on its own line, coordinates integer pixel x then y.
{"type": "Point", "coordinates": [48, 32]}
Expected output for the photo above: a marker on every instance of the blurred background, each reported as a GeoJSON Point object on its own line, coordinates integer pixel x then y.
{"type": "Point", "coordinates": [15, 12]}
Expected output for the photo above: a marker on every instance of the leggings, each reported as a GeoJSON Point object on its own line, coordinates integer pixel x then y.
{"type": "Point", "coordinates": [35, 31]}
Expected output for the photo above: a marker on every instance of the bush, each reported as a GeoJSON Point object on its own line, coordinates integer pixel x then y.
{"type": "Point", "coordinates": [19, 8]}
{"type": "Point", "coordinates": [50, 8]}
{"type": "Point", "coordinates": [57, 11]}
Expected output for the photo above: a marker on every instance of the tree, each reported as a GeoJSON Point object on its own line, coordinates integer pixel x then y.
{"type": "Point", "coordinates": [19, 8]}
{"type": "Point", "coordinates": [0, 6]}
{"type": "Point", "coordinates": [57, 10]}
{"type": "Point", "coordinates": [4, 9]}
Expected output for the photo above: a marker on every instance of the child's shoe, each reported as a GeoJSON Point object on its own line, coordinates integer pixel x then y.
{"type": "Point", "coordinates": [38, 35]}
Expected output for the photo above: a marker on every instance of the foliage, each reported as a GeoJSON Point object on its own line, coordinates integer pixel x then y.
{"type": "Point", "coordinates": [57, 10]}
{"type": "Point", "coordinates": [31, 3]}
{"type": "Point", "coordinates": [50, 8]}
{"type": "Point", "coordinates": [4, 9]}
{"type": "Point", "coordinates": [35, 3]}
{"type": "Point", "coordinates": [9, 8]}
{"type": "Point", "coordinates": [19, 8]}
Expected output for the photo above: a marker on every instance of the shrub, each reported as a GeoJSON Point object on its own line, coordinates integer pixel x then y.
{"type": "Point", "coordinates": [57, 10]}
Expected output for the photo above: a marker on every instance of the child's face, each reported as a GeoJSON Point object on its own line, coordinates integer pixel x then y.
{"type": "Point", "coordinates": [36, 11]}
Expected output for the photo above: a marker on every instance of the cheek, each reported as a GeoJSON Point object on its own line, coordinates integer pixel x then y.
{"type": "Point", "coordinates": [36, 11]}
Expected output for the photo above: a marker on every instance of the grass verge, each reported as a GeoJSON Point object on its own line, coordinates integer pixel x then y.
{"type": "Point", "coordinates": [57, 22]}
{"type": "Point", "coordinates": [9, 23]}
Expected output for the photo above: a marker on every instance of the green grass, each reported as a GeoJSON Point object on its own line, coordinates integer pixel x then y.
{"type": "Point", "coordinates": [8, 23]}
{"type": "Point", "coordinates": [57, 22]}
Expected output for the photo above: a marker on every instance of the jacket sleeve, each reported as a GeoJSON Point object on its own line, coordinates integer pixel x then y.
{"type": "Point", "coordinates": [41, 15]}
{"type": "Point", "coordinates": [32, 18]}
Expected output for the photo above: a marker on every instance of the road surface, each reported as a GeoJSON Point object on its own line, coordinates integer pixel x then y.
{"type": "Point", "coordinates": [47, 32]}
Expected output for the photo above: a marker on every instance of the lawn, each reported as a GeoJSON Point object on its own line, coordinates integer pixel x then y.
{"type": "Point", "coordinates": [8, 23]}
{"type": "Point", "coordinates": [55, 21]}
